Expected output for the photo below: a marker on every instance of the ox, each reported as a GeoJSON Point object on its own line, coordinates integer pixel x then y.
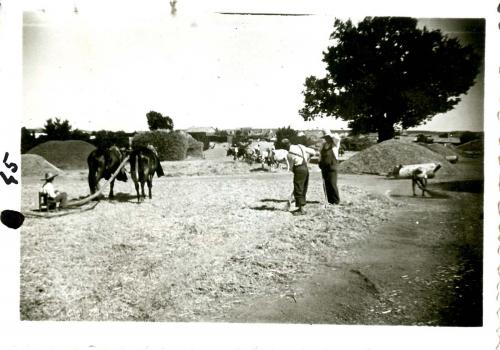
{"type": "Point", "coordinates": [262, 151]}
{"type": "Point", "coordinates": [280, 156]}
{"type": "Point", "coordinates": [144, 163]}
{"type": "Point", "coordinates": [102, 164]}
{"type": "Point", "coordinates": [232, 151]}
{"type": "Point", "coordinates": [246, 153]}
{"type": "Point", "coordinates": [242, 151]}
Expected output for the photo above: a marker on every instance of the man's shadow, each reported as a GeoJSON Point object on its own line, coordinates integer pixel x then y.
{"type": "Point", "coordinates": [265, 207]}
{"type": "Point", "coordinates": [284, 201]}
{"type": "Point", "coordinates": [270, 208]}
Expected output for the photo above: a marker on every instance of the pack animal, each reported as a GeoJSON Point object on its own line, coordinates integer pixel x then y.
{"type": "Point", "coordinates": [280, 156]}
{"type": "Point", "coordinates": [102, 164]}
{"type": "Point", "coordinates": [262, 150]}
{"type": "Point", "coordinates": [144, 163]}
{"type": "Point", "coordinates": [232, 151]}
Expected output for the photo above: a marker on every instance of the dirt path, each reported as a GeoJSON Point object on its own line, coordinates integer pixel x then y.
{"type": "Point", "coordinates": [423, 267]}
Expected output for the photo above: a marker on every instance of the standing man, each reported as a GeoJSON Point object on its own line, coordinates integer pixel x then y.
{"type": "Point", "coordinates": [328, 160]}
{"type": "Point", "coordinates": [298, 156]}
{"type": "Point", "coordinates": [56, 196]}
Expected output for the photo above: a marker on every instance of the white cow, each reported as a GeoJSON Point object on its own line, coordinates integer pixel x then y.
{"type": "Point", "coordinates": [406, 171]}
{"type": "Point", "coordinates": [279, 156]}
{"type": "Point", "coordinates": [262, 150]}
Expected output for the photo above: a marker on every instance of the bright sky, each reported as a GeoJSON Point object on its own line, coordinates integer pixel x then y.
{"type": "Point", "coordinates": [106, 66]}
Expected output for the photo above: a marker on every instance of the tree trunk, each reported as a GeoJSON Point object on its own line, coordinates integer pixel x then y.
{"type": "Point", "coordinates": [385, 131]}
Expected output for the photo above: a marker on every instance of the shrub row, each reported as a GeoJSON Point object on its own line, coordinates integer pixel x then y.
{"type": "Point", "coordinates": [170, 145]}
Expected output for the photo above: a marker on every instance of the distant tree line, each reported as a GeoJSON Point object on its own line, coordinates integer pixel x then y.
{"type": "Point", "coordinates": [54, 129]}
{"type": "Point", "coordinates": [60, 130]}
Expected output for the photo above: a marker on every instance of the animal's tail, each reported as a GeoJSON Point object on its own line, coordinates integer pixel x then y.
{"type": "Point", "coordinates": [159, 169]}
{"type": "Point", "coordinates": [438, 166]}
{"type": "Point", "coordinates": [134, 166]}
{"type": "Point", "coordinates": [92, 175]}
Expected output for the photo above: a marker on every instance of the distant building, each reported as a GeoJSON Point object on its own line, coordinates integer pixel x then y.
{"type": "Point", "coordinates": [207, 130]}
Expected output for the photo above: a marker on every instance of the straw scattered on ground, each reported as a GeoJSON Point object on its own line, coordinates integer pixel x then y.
{"type": "Point", "coordinates": [201, 246]}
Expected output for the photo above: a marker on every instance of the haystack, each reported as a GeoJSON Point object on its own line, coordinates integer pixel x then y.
{"type": "Point", "coordinates": [71, 154]}
{"type": "Point", "coordinates": [35, 165]}
{"type": "Point", "coordinates": [440, 149]}
{"type": "Point", "coordinates": [383, 157]}
{"type": "Point", "coordinates": [195, 148]}
{"type": "Point", "coordinates": [472, 146]}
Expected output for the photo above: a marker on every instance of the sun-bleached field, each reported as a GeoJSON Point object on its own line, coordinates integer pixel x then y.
{"type": "Point", "coordinates": [204, 244]}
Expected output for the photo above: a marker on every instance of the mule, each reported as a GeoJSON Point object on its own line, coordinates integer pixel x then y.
{"type": "Point", "coordinates": [102, 164]}
{"type": "Point", "coordinates": [144, 163]}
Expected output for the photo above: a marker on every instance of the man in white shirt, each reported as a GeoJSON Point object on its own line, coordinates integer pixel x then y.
{"type": "Point", "coordinates": [298, 157]}
{"type": "Point", "coordinates": [52, 193]}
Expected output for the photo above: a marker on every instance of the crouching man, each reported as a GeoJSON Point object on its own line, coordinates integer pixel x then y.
{"type": "Point", "coordinates": [52, 193]}
{"type": "Point", "coordinates": [419, 179]}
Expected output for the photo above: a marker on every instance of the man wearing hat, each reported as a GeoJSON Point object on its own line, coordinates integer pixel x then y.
{"type": "Point", "coordinates": [328, 160]}
{"type": "Point", "coordinates": [55, 195]}
{"type": "Point", "coordinates": [298, 157]}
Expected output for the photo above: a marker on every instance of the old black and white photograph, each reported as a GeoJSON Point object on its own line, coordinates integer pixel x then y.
{"type": "Point", "coordinates": [242, 163]}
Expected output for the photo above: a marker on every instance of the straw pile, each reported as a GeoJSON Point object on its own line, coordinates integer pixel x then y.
{"type": "Point", "coordinates": [71, 154]}
{"type": "Point", "coordinates": [195, 148]}
{"type": "Point", "coordinates": [472, 146]}
{"type": "Point", "coordinates": [383, 157]}
{"type": "Point", "coordinates": [35, 165]}
{"type": "Point", "coordinates": [440, 149]}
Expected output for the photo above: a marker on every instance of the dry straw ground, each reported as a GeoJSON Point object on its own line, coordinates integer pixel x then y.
{"type": "Point", "coordinates": [202, 245]}
{"type": "Point", "coordinates": [216, 235]}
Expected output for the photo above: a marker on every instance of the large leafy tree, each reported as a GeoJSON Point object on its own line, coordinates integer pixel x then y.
{"type": "Point", "coordinates": [158, 121]}
{"type": "Point", "coordinates": [385, 72]}
{"type": "Point", "coordinates": [57, 129]}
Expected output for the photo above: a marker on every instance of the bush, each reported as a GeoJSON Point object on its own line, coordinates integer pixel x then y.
{"type": "Point", "coordinates": [28, 141]}
{"type": "Point", "coordinates": [355, 143]}
{"type": "Point", "coordinates": [292, 136]}
{"type": "Point", "coordinates": [170, 145]}
{"type": "Point", "coordinates": [105, 139]}
{"type": "Point", "coordinates": [468, 136]}
{"type": "Point", "coordinates": [217, 138]}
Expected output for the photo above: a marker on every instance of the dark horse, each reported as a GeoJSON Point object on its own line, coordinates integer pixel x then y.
{"type": "Point", "coordinates": [102, 164]}
{"type": "Point", "coordinates": [144, 163]}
